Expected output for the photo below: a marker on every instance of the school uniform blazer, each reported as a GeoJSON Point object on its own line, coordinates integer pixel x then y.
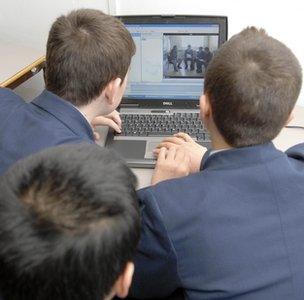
{"type": "Point", "coordinates": [47, 121]}
{"type": "Point", "coordinates": [234, 230]}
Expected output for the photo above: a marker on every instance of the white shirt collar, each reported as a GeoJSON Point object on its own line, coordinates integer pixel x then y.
{"type": "Point", "coordinates": [83, 115]}
{"type": "Point", "coordinates": [216, 151]}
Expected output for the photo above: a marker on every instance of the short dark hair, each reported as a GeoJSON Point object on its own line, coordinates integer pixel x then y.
{"type": "Point", "coordinates": [69, 223]}
{"type": "Point", "coordinates": [85, 51]}
{"type": "Point", "coordinates": [253, 83]}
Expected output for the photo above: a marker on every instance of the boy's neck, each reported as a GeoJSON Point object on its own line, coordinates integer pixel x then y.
{"type": "Point", "coordinates": [218, 142]}
{"type": "Point", "coordinates": [219, 145]}
{"type": "Point", "coordinates": [91, 110]}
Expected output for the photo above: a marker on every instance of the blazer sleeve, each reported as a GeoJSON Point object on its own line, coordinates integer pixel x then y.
{"type": "Point", "coordinates": [9, 102]}
{"type": "Point", "coordinates": [156, 273]}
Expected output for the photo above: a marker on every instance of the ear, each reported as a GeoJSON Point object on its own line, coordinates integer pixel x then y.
{"type": "Point", "coordinates": [112, 89]}
{"type": "Point", "coordinates": [205, 107]}
{"type": "Point", "coordinates": [290, 118]}
{"type": "Point", "coordinates": [123, 283]}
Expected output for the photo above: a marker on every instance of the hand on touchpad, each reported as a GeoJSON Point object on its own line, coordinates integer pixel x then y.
{"type": "Point", "coordinates": [150, 146]}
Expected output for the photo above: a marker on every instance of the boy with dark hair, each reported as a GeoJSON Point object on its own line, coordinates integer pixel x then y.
{"type": "Point", "coordinates": [66, 232]}
{"type": "Point", "coordinates": [87, 60]}
{"type": "Point", "coordinates": [234, 228]}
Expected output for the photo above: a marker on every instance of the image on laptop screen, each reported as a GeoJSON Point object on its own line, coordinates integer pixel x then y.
{"type": "Point", "coordinates": [170, 60]}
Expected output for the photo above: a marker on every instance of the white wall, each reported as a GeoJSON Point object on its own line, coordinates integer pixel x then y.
{"type": "Point", "coordinates": [281, 19]}
{"type": "Point", "coordinates": [27, 22]}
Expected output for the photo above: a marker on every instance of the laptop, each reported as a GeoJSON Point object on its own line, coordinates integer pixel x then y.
{"type": "Point", "coordinates": [165, 82]}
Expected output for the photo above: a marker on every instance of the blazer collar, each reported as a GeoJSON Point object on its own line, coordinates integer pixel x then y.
{"type": "Point", "coordinates": [65, 112]}
{"type": "Point", "coordinates": [240, 157]}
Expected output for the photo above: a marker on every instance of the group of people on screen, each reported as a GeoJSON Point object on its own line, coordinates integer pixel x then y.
{"type": "Point", "coordinates": [191, 60]}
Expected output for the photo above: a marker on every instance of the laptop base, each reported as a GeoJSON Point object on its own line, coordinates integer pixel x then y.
{"type": "Point", "coordinates": [139, 153]}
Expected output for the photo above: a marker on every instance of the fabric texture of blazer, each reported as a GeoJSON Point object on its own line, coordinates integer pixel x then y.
{"type": "Point", "coordinates": [234, 230]}
{"type": "Point", "coordinates": [47, 121]}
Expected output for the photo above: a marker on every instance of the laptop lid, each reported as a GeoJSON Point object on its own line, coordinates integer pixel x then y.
{"type": "Point", "coordinates": [172, 53]}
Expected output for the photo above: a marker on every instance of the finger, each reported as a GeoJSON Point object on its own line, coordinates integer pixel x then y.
{"type": "Point", "coordinates": [112, 124]}
{"type": "Point", "coordinates": [97, 121]}
{"type": "Point", "coordinates": [166, 145]}
{"type": "Point", "coordinates": [171, 153]}
{"type": "Point", "coordinates": [96, 136]}
{"type": "Point", "coordinates": [156, 150]}
{"type": "Point", "coordinates": [103, 120]}
{"type": "Point", "coordinates": [163, 145]}
{"type": "Point", "coordinates": [174, 140]}
{"type": "Point", "coordinates": [161, 155]}
{"type": "Point", "coordinates": [186, 137]}
{"type": "Point", "coordinates": [115, 117]}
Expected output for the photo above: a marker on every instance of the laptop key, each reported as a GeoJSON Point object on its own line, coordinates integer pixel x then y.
{"type": "Point", "coordinates": [200, 136]}
{"type": "Point", "coordinates": [162, 125]}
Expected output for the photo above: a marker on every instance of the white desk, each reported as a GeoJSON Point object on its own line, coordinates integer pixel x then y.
{"type": "Point", "coordinates": [18, 63]}
{"type": "Point", "coordinates": [287, 138]}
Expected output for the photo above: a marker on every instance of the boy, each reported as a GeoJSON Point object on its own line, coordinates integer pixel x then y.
{"type": "Point", "coordinates": [87, 60]}
{"type": "Point", "coordinates": [65, 231]}
{"type": "Point", "coordinates": [234, 229]}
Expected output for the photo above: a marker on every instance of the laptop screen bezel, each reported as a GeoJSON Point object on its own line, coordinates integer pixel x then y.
{"type": "Point", "coordinates": [222, 21]}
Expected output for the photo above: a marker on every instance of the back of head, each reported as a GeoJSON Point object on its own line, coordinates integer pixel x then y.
{"type": "Point", "coordinates": [85, 51]}
{"type": "Point", "coordinates": [69, 223]}
{"type": "Point", "coordinates": [253, 83]}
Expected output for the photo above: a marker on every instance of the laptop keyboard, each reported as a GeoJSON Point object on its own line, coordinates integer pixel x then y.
{"type": "Point", "coordinates": [158, 125]}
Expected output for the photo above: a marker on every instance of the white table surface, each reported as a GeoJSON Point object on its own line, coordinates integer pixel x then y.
{"type": "Point", "coordinates": [287, 138]}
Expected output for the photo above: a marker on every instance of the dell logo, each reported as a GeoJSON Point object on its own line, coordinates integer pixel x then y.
{"type": "Point", "coordinates": [167, 103]}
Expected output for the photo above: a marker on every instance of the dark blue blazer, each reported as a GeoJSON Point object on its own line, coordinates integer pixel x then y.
{"type": "Point", "coordinates": [235, 230]}
{"type": "Point", "coordinates": [47, 121]}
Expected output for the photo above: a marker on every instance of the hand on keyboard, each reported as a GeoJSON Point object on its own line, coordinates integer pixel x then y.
{"type": "Point", "coordinates": [172, 163]}
{"type": "Point", "coordinates": [112, 120]}
{"type": "Point", "coordinates": [185, 142]}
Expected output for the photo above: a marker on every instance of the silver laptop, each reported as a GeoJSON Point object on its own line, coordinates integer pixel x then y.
{"type": "Point", "coordinates": [165, 82]}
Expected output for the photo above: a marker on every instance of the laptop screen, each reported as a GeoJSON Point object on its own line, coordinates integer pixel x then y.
{"type": "Point", "coordinates": [171, 59]}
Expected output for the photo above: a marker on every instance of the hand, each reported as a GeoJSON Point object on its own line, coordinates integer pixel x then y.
{"type": "Point", "coordinates": [112, 120]}
{"type": "Point", "coordinates": [184, 141]}
{"type": "Point", "coordinates": [172, 163]}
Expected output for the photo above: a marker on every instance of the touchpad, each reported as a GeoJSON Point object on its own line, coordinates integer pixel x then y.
{"type": "Point", "coordinates": [150, 146]}
{"type": "Point", "coordinates": [129, 149]}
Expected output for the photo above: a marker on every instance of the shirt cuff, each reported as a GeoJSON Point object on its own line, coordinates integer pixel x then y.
{"type": "Point", "coordinates": [205, 157]}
